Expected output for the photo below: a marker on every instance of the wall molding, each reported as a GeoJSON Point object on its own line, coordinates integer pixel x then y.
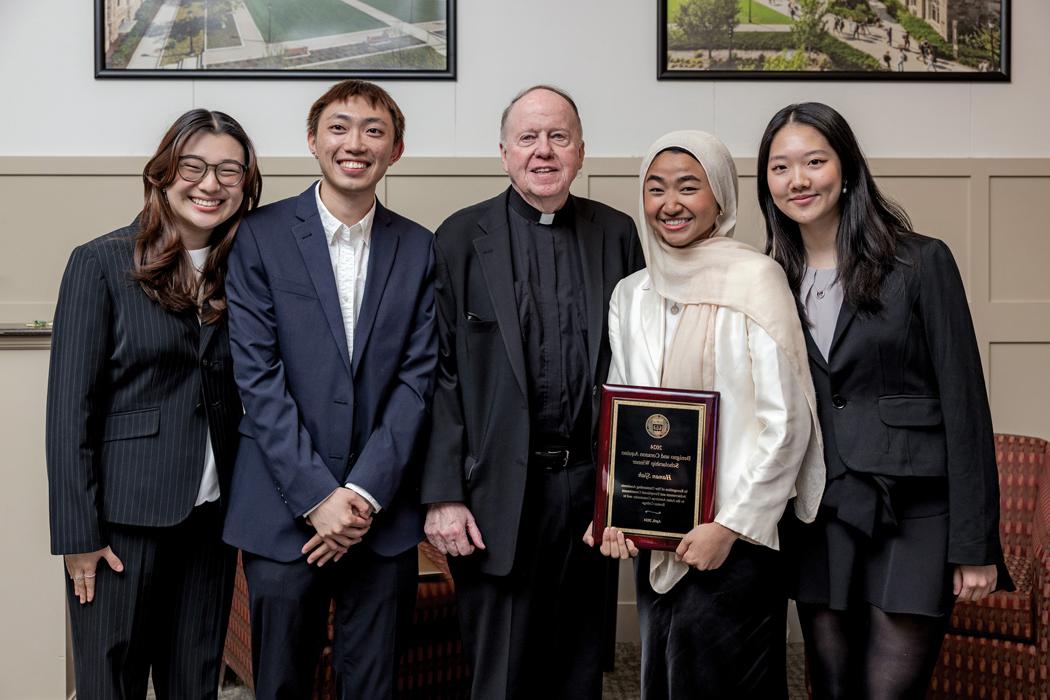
{"type": "Point", "coordinates": [992, 212]}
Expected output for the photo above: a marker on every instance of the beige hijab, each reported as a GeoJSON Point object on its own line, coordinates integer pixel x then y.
{"type": "Point", "coordinates": [720, 271]}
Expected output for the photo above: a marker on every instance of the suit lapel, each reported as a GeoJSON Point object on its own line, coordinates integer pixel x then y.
{"type": "Point", "coordinates": [814, 352]}
{"type": "Point", "coordinates": [494, 257]}
{"type": "Point", "coordinates": [191, 322]}
{"type": "Point", "coordinates": [207, 333]}
{"type": "Point", "coordinates": [846, 314]}
{"type": "Point", "coordinates": [313, 246]}
{"type": "Point", "coordinates": [381, 254]}
{"type": "Point", "coordinates": [592, 252]}
{"type": "Point", "coordinates": [812, 349]}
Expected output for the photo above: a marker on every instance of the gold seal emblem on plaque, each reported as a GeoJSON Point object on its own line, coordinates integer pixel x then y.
{"type": "Point", "coordinates": [657, 426]}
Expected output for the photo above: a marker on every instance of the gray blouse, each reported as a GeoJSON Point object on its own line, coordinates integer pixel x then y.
{"type": "Point", "coordinates": [821, 294]}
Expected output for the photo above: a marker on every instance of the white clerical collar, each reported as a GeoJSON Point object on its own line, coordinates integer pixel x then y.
{"type": "Point", "coordinates": [531, 213]}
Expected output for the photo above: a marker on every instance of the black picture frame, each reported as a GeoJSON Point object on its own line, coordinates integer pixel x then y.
{"type": "Point", "coordinates": [986, 60]}
{"type": "Point", "coordinates": [378, 48]}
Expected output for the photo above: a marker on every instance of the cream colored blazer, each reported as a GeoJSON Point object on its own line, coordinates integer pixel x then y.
{"type": "Point", "coordinates": [764, 421]}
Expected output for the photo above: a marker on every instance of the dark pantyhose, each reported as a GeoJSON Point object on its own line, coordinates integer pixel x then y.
{"type": "Point", "coordinates": [868, 654]}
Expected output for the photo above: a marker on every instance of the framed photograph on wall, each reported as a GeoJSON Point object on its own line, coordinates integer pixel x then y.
{"type": "Point", "coordinates": [957, 40]}
{"type": "Point", "coordinates": [275, 39]}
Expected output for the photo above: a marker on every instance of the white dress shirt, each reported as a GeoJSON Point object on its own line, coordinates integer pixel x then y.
{"type": "Point", "coordinates": [348, 247]}
{"type": "Point", "coordinates": [209, 489]}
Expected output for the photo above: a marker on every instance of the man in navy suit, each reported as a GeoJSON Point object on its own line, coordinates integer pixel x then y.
{"type": "Point", "coordinates": [333, 339]}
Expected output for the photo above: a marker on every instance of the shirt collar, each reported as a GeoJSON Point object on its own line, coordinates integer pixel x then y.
{"type": "Point", "coordinates": [332, 225]}
{"type": "Point", "coordinates": [562, 217]}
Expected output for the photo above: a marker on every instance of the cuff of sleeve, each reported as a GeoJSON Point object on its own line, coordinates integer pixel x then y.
{"type": "Point", "coordinates": [749, 534]}
{"type": "Point", "coordinates": [975, 553]}
{"type": "Point", "coordinates": [365, 495]}
{"type": "Point", "coordinates": [314, 507]}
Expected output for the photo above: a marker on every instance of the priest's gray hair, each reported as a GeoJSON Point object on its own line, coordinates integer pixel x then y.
{"type": "Point", "coordinates": [549, 88]}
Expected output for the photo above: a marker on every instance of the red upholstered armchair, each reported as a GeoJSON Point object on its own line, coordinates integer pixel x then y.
{"type": "Point", "coordinates": [1000, 647]}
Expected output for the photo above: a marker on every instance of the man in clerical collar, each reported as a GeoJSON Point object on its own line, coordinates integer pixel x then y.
{"type": "Point", "coordinates": [522, 286]}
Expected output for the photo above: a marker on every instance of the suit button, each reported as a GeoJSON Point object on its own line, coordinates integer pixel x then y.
{"type": "Point", "coordinates": [838, 401]}
{"type": "Point", "coordinates": [205, 364]}
{"type": "Point", "coordinates": [594, 391]}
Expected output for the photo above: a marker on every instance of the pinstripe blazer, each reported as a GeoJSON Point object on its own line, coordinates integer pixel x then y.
{"type": "Point", "coordinates": [132, 391]}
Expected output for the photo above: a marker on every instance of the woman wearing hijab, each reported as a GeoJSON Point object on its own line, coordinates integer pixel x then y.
{"type": "Point", "coordinates": [142, 415]}
{"type": "Point", "coordinates": [909, 520]}
{"type": "Point", "coordinates": [711, 313]}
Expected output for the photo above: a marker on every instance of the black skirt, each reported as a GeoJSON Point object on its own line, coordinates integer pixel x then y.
{"type": "Point", "coordinates": [900, 565]}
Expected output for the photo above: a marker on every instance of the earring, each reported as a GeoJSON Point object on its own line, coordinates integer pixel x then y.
{"type": "Point", "coordinates": [844, 188]}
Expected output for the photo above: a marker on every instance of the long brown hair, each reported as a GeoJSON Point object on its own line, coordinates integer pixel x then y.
{"type": "Point", "coordinates": [162, 267]}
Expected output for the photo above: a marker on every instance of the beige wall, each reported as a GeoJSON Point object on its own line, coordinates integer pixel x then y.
{"type": "Point", "coordinates": [992, 212]}
{"type": "Point", "coordinates": [32, 636]}
{"type": "Point", "coordinates": [602, 51]}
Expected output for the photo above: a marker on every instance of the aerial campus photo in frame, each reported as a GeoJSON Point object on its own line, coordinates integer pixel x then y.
{"type": "Point", "coordinates": [275, 38]}
{"type": "Point", "coordinates": [834, 39]}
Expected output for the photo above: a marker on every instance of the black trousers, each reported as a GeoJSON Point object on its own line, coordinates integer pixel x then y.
{"type": "Point", "coordinates": [536, 633]}
{"type": "Point", "coordinates": [167, 610]}
{"type": "Point", "coordinates": [374, 599]}
{"type": "Point", "coordinates": [716, 634]}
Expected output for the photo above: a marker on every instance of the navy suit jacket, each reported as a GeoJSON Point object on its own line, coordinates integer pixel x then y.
{"type": "Point", "coordinates": [314, 417]}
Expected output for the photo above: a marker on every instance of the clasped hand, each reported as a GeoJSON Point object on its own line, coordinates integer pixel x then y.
{"type": "Point", "coordinates": [341, 521]}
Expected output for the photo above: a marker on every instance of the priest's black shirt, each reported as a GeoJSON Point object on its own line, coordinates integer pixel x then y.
{"type": "Point", "coordinates": [549, 288]}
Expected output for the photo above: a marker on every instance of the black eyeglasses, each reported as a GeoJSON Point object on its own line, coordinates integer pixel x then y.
{"type": "Point", "coordinates": [228, 172]}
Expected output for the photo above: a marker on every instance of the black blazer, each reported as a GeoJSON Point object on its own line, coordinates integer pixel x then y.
{"type": "Point", "coordinates": [479, 447]}
{"type": "Point", "coordinates": [132, 392]}
{"type": "Point", "coordinates": [903, 394]}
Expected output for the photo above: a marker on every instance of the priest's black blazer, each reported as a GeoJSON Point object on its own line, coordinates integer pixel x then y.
{"type": "Point", "coordinates": [904, 393]}
{"type": "Point", "coordinates": [133, 390]}
{"type": "Point", "coordinates": [479, 446]}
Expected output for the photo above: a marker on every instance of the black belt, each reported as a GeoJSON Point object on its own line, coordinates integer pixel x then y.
{"type": "Point", "coordinates": [554, 459]}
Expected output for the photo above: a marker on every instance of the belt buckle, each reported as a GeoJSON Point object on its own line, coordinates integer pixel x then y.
{"type": "Point", "coordinates": [551, 459]}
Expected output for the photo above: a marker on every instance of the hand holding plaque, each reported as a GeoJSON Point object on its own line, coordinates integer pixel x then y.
{"type": "Point", "coordinates": [656, 461]}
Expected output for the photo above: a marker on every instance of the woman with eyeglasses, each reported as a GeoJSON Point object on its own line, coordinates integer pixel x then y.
{"type": "Point", "coordinates": [142, 414]}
